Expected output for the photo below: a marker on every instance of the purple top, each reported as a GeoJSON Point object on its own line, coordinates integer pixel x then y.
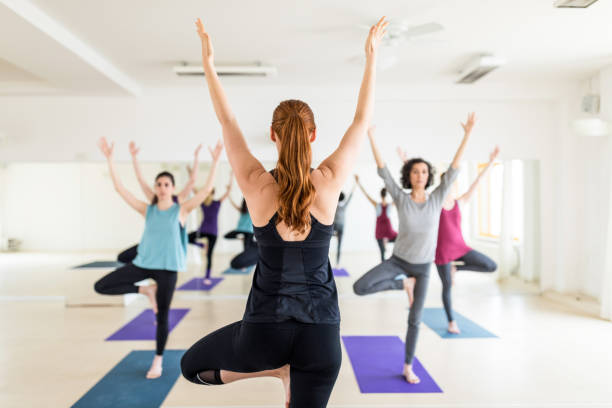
{"type": "Point", "coordinates": [451, 245]}
{"type": "Point", "coordinates": [210, 212]}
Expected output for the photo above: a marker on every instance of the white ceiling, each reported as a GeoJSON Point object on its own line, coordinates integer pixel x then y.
{"type": "Point", "coordinates": [311, 42]}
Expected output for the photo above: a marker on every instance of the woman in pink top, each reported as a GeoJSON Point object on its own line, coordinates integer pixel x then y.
{"type": "Point", "coordinates": [384, 230]}
{"type": "Point", "coordinates": [451, 246]}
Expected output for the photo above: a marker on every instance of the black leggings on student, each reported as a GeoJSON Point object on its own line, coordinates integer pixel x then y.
{"type": "Point", "coordinates": [311, 350]}
{"type": "Point", "coordinates": [212, 240]}
{"type": "Point", "coordinates": [249, 255]}
{"type": "Point", "coordinates": [121, 281]}
{"type": "Point", "coordinates": [472, 261]}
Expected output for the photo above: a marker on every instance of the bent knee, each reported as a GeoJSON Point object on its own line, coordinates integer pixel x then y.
{"type": "Point", "coordinates": [491, 266]}
{"type": "Point", "coordinates": [99, 287]}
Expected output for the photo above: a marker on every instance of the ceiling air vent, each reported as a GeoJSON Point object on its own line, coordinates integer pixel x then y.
{"type": "Point", "coordinates": [573, 3]}
{"type": "Point", "coordinates": [479, 67]}
{"type": "Point", "coordinates": [227, 70]}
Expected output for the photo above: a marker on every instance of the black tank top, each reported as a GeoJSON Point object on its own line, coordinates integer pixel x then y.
{"type": "Point", "coordinates": [293, 280]}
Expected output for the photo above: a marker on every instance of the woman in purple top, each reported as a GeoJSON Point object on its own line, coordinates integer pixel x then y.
{"type": "Point", "coordinates": [451, 247]}
{"type": "Point", "coordinates": [209, 228]}
{"type": "Point", "coordinates": [129, 254]}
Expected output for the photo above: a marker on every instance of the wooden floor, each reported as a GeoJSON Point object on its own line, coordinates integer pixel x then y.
{"type": "Point", "coordinates": [53, 349]}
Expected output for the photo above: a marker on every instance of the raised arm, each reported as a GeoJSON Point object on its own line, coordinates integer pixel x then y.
{"type": "Point", "coordinates": [228, 190]}
{"type": "Point", "coordinates": [467, 130]}
{"type": "Point", "coordinates": [201, 195]}
{"type": "Point", "coordinates": [249, 171]}
{"type": "Point", "coordinates": [468, 194]}
{"type": "Point", "coordinates": [350, 196]}
{"type": "Point", "coordinates": [337, 167]}
{"type": "Point", "coordinates": [402, 154]}
{"type": "Point", "coordinates": [236, 206]}
{"type": "Point", "coordinates": [193, 174]}
{"type": "Point", "coordinates": [146, 189]}
{"type": "Point", "coordinates": [365, 193]}
{"type": "Point", "coordinates": [380, 163]}
{"type": "Point", "coordinates": [107, 149]}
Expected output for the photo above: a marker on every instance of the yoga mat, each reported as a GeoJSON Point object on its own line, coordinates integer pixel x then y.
{"type": "Point", "coordinates": [198, 284]}
{"type": "Point", "coordinates": [126, 386]}
{"type": "Point", "coordinates": [100, 264]}
{"type": "Point", "coordinates": [232, 271]}
{"type": "Point", "coordinates": [378, 363]}
{"type": "Point", "coordinates": [143, 327]}
{"type": "Point", "coordinates": [435, 319]}
{"type": "Point", "coordinates": [339, 273]}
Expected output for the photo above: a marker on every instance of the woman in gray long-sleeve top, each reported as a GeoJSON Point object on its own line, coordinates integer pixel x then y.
{"type": "Point", "coordinates": [415, 247]}
{"type": "Point", "coordinates": [339, 220]}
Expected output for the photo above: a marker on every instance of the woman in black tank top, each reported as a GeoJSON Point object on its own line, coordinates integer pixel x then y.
{"type": "Point", "coordinates": [290, 327]}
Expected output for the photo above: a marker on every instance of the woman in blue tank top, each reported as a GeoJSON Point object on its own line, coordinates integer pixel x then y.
{"type": "Point", "coordinates": [244, 230]}
{"type": "Point", "coordinates": [162, 249]}
{"type": "Point", "coordinates": [290, 328]}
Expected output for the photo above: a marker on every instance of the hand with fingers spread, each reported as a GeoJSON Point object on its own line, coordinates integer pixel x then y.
{"type": "Point", "coordinates": [471, 120]}
{"type": "Point", "coordinates": [215, 152]}
{"type": "Point", "coordinates": [134, 149]}
{"type": "Point", "coordinates": [377, 32]}
{"type": "Point", "coordinates": [207, 48]}
{"type": "Point", "coordinates": [402, 154]}
{"type": "Point", "coordinates": [106, 148]}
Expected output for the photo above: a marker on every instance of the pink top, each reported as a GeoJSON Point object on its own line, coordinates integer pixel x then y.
{"type": "Point", "coordinates": [451, 245]}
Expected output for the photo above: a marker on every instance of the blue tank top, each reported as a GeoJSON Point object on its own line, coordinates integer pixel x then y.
{"type": "Point", "coordinates": [244, 223]}
{"type": "Point", "coordinates": [293, 280]}
{"type": "Point", "coordinates": [164, 241]}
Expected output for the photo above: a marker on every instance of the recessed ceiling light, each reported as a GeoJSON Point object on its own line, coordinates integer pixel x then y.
{"type": "Point", "coordinates": [573, 3]}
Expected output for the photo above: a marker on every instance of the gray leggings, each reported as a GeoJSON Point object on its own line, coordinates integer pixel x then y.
{"type": "Point", "coordinates": [472, 261]}
{"type": "Point", "coordinates": [382, 277]}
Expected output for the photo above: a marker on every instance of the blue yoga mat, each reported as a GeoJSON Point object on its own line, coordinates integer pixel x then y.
{"type": "Point", "coordinates": [100, 264]}
{"type": "Point", "coordinates": [378, 363]}
{"type": "Point", "coordinates": [435, 319]}
{"type": "Point", "coordinates": [232, 271]}
{"type": "Point", "coordinates": [126, 386]}
{"type": "Point", "coordinates": [143, 327]}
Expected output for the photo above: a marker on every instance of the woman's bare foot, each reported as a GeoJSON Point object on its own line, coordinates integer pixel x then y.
{"type": "Point", "coordinates": [453, 328]}
{"type": "Point", "coordinates": [453, 270]}
{"type": "Point", "coordinates": [150, 291]}
{"type": "Point", "coordinates": [207, 281]}
{"type": "Point", "coordinates": [409, 375]}
{"type": "Point", "coordinates": [284, 374]}
{"type": "Point", "coordinates": [409, 288]}
{"type": "Point", "coordinates": [156, 368]}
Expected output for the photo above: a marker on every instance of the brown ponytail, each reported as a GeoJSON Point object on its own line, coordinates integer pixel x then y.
{"type": "Point", "coordinates": [293, 122]}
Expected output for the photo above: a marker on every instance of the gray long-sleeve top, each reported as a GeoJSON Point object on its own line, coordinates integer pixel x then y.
{"type": "Point", "coordinates": [418, 222]}
{"type": "Point", "coordinates": [341, 210]}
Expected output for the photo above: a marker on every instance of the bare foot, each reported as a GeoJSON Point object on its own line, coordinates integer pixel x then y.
{"type": "Point", "coordinates": [453, 270]}
{"type": "Point", "coordinates": [207, 281]}
{"type": "Point", "coordinates": [409, 288]}
{"type": "Point", "coordinates": [150, 291]}
{"type": "Point", "coordinates": [409, 375]}
{"type": "Point", "coordinates": [284, 375]}
{"type": "Point", "coordinates": [156, 368]}
{"type": "Point", "coordinates": [453, 328]}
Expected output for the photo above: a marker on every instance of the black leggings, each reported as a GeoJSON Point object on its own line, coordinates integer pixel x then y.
{"type": "Point", "coordinates": [382, 246]}
{"type": "Point", "coordinates": [249, 255]}
{"type": "Point", "coordinates": [472, 261]}
{"type": "Point", "coordinates": [212, 240]}
{"type": "Point", "coordinates": [121, 281]}
{"type": "Point", "coordinates": [129, 254]}
{"type": "Point", "coordinates": [339, 230]}
{"type": "Point", "coordinates": [311, 350]}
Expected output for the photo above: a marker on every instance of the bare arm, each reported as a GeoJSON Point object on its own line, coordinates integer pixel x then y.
{"type": "Point", "coordinates": [201, 195]}
{"type": "Point", "coordinates": [380, 163]}
{"type": "Point", "coordinates": [193, 174]}
{"type": "Point", "coordinates": [146, 189]}
{"type": "Point", "coordinates": [236, 206]}
{"type": "Point", "coordinates": [468, 194]}
{"type": "Point", "coordinates": [467, 129]}
{"type": "Point", "coordinates": [337, 167]}
{"type": "Point", "coordinates": [107, 150]}
{"type": "Point", "coordinates": [365, 193]}
{"type": "Point", "coordinates": [249, 171]}
{"type": "Point", "coordinates": [402, 154]}
{"type": "Point", "coordinates": [229, 189]}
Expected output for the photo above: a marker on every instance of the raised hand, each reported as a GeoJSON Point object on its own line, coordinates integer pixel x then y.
{"type": "Point", "coordinates": [197, 150]}
{"type": "Point", "coordinates": [494, 154]}
{"type": "Point", "coordinates": [469, 124]}
{"type": "Point", "coordinates": [356, 178]}
{"type": "Point", "coordinates": [207, 48]}
{"type": "Point", "coordinates": [371, 131]}
{"type": "Point", "coordinates": [133, 149]}
{"type": "Point", "coordinates": [377, 32]}
{"type": "Point", "coordinates": [215, 152]}
{"type": "Point", "coordinates": [106, 148]}
{"type": "Point", "coordinates": [402, 154]}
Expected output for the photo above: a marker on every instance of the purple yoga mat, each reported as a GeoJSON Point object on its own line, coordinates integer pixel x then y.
{"type": "Point", "coordinates": [198, 284]}
{"type": "Point", "coordinates": [340, 272]}
{"type": "Point", "coordinates": [143, 327]}
{"type": "Point", "coordinates": [378, 362]}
